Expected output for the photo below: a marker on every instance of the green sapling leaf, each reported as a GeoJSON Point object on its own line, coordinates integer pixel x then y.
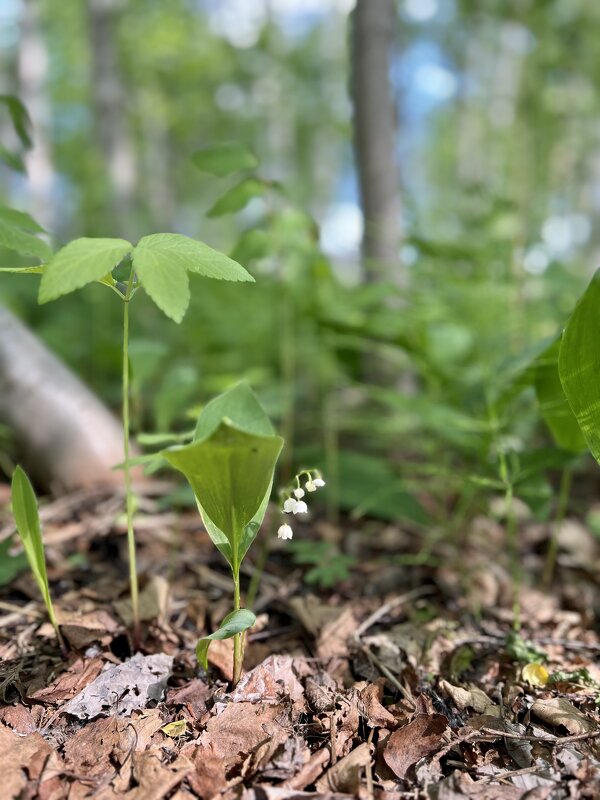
{"type": "Point", "coordinates": [579, 364]}
{"type": "Point", "coordinates": [162, 261]}
{"type": "Point", "coordinates": [82, 261]}
{"type": "Point", "coordinates": [554, 406]}
{"type": "Point", "coordinates": [223, 159]}
{"type": "Point", "coordinates": [237, 197]}
{"type": "Point", "coordinates": [27, 520]}
{"type": "Point", "coordinates": [234, 623]}
{"type": "Point", "coordinates": [20, 218]}
{"type": "Point", "coordinates": [34, 270]}
{"type": "Point", "coordinates": [14, 236]}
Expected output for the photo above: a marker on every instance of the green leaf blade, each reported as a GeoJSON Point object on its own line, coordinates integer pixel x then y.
{"type": "Point", "coordinates": [82, 261]}
{"type": "Point", "coordinates": [175, 251]}
{"type": "Point", "coordinates": [554, 406]}
{"type": "Point", "coordinates": [579, 364]}
{"type": "Point", "coordinates": [15, 237]}
{"type": "Point", "coordinates": [224, 159]}
{"type": "Point", "coordinates": [27, 520]}
{"type": "Point", "coordinates": [241, 406]}
{"type": "Point", "coordinates": [230, 473]}
{"type": "Point", "coordinates": [234, 623]}
{"type": "Point", "coordinates": [237, 198]}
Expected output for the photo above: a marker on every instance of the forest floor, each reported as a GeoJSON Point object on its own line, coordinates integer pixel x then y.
{"type": "Point", "coordinates": [401, 682]}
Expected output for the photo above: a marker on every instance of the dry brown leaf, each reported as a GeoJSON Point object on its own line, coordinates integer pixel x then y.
{"type": "Point", "coordinates": [240, 727]}
{"type": "Point", "coordinates": [17, 753]}
{"type": "Point", "coordinates": [79, 675]}
{"type": "Point", "coordinates": [557, 711]}
{"type": "Point", "coordinates": [207, 777]}
{"type": "Point", "coordinates": [470, 698]}
{"type": "Point", "coordinates": [414, 741]}
{"type": "Point", "coordinates": [270, 682]}
{"type": "Point", "coordinates": [156, 778]}
{"type": "Point", "coordinates": [377, 715]}
{"type": "Point", "coordinates": [193, 696]}
{"type": "Point", "coordinates": [80, 630]}
{"type": "Point", "coordinates": [345, 775]}
{"type": "Point", "coordinates": [333, 639]}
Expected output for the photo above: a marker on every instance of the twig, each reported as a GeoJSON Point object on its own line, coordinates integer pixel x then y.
{"type": "Point", "coordinates": [390, 676]}
{"type": "Point", "coordinates": [550, 739]}
{"type": "Point", "coordinates": [387, 607]}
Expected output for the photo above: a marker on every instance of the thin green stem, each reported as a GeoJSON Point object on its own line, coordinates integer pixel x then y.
{"type": "Point", "coordinates": [564, 493]}
{"type": "Point", "coordinates": [133, 577]}
{"type": "Point", "coordinates": [238, 639]}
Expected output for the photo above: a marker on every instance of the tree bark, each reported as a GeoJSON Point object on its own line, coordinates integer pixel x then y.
{"type": "Point", "coordinates": [109, 102]}
{"type": "Point", "coordinates": [373, 30]}
{"type": "Point", "coordinates": [32, 70]}
{"type": "Point", "coordinates": [66, 438]}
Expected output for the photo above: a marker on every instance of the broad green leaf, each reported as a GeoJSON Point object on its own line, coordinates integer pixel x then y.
{"type": "Point", "coordinates": [82, 261]}
{"type": "Point", "coordinates": [35, 270]}
{"type": "Point", "coordinates": [14, 237]}
{"type": "Point", "coordinates": [237, 197]}
{"type": "Point", "coordinates": [223, 159]}
{"type": "Point", "coordinates": [230, 473]}
{"type": "Point", "coordinates": [234, 623]}
{"type": "Point", "coordinates": [20, 218]}
{"type": "Point", "coordinates": [554, 406]}
{"type": "Point", "coordinates": [165, 281]}
{"type": "Point", "coordinates": [173, 249]}
{"type": "Point", "coordinates": [240, 405]}
{"type": "Point", "coordinates": [27, 520]}
{"type": "Point", "coordinates": [579, 364]}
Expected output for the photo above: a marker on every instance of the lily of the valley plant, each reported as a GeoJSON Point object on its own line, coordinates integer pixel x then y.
{"type": "Point", "coordinates": [230, 466]}
{"type": "Point", "coordinates": [292, 502]}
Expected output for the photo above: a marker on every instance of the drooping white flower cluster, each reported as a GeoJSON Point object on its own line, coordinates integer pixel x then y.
{"type": "Point", "coordinates": [292, 497]}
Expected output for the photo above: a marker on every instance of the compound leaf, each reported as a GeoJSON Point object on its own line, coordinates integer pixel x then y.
{"type": "Point", "coordinates": [82, 261]}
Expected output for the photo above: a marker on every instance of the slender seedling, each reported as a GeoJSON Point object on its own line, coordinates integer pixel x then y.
{"type": "Point", "coordinates": [27, 520]}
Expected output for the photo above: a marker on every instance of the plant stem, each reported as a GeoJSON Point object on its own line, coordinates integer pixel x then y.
{"type": "Point", "coordinates": [238, 639]}
{"type": "Point", "coordinates": [561, 510]}
{"type": "Point", "coordinates": [54, 623]}
{"type": "Point", "coordinates": [133, 578]}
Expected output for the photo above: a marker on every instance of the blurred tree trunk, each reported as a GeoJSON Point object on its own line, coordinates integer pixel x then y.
{"type": "Point", "coordinates": [32, 71]}
{"type": "Point", "coordinates": [110, 121]}
{"type": "Point", "coordinates": [373, 30]}
{"type": "Point", "coordinates": [65, 437]}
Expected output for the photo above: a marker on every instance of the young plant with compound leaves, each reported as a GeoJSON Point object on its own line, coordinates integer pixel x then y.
{"type": "Point", "coordinates": [159, 264]}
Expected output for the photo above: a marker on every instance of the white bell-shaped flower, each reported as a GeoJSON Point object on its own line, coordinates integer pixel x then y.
{"type": "Point", "coordinates": [299, 493]}
{"type": "Point", "coordinates": [285, 532]}
{"type": "Point", "coordinates": [290, 505]}
{"type": "Point", "coordinates": [310, 486]}
{"type": "Point", "coordinates": [318, 482]}
{"type": "Point", "coordinates": [300, 507]}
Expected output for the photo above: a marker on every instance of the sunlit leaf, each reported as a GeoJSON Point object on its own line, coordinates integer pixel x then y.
{"type": "Point", "coordinates": [14, 237]}
{"type": "Point", "coordinates": [82, 261]}
{"type": "Point", "coordinates": [234, 623]}
{"type": "Point", "coordinates": [579, 364]}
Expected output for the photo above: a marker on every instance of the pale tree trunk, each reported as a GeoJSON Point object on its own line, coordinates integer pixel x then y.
{"type": "Point", "coordinates": [65, 437]}
{"type": "Point", "coordinates": [110, 121]}
{"type": "Point", "coordinates": [32, 70]}
{"type": "Point", "coordinates": [373, 30]}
